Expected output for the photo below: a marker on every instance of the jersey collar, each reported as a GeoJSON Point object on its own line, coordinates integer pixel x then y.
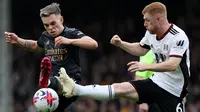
{"type": "Point", "coordinates": [62, 33]}
{"type": "Point", "coordinates": [165, 33]}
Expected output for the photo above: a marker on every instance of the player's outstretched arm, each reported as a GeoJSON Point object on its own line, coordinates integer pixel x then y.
{"type": "Point", "coordinates": [84, 42]}
{"type": "Point", "coordinates": [166, 66]}
{"type": "Point", "coordinates": [132, 48]}
{"type": "Point", "coordinates": [29, 45]}
{"type": "Point", "coordinates": [169, 65]}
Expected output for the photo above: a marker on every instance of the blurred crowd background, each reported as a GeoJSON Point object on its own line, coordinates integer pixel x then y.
{"type": "Point", "coordinates": [100, 19]}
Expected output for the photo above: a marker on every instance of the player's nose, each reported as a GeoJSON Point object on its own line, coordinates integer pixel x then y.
{"type": "Point", "coordinates": [145, 25]}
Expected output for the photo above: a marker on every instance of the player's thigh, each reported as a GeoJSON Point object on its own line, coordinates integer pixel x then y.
{"type": "Point", "coordinates": [125, 90]}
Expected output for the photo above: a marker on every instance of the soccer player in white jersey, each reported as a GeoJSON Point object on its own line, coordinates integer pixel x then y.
{"type": "Point", "coordinates": [168, 86]}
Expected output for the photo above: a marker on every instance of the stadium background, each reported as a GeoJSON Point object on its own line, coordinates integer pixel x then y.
{"type": "Point", "coordinates": [100, 19]}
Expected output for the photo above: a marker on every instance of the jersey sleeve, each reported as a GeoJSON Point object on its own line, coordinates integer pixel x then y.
{"type": "Point", "coordinates": [77, 33]}
{"type": "Point", "coordinates": [40, 41]}
{"type": "Point", "coordinates": [147, 59]}
{"type": "Point", "coordinates": [144, 42]}
{"type": "Point", "coordinates": [179, 45]}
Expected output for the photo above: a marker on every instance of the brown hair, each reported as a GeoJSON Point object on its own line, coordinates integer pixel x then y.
{"type": "Point", "coordinates": [53, 8]}
{"type": "Point", "coordinates": [154, 8]}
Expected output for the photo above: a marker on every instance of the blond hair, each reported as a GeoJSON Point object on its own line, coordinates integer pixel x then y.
{"type": "Point", "coordinates": [53, 8]}
{"type": "Point", "coordinates": [155, 8]}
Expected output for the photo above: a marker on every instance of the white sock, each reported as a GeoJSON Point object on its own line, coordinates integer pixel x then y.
{"type": "Point", "coordinates": [98, 92]}
{"type": "Point", "coordinates": [49, 82]}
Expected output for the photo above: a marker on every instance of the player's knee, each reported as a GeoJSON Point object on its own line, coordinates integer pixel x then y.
{"type": "Point", "coordinates": [125, 90]}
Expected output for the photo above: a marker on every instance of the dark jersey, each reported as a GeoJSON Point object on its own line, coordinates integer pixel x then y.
{"type": "Point", "coordinates": [66, 56]}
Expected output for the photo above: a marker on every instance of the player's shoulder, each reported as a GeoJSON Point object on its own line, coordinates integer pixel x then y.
{"type": "Point", "coordinates": [73, 31]}
{"type": "Point", "coordinates": [177, 31]}
{"type": "Point", "coordinates": [68, 29]}
{"type": "Point", "coordinates": [45, 34]}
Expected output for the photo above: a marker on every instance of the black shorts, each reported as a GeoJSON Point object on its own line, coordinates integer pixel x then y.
{"type": "Point", "coordinates": [151, 93]}
{"type": "Point", "coordinates": [154, 108]}
{"type": "Point", "coordinates": [64, 102]}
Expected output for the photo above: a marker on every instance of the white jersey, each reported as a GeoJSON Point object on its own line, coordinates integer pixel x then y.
{"type": "Point", "coordinates": [174, 43]}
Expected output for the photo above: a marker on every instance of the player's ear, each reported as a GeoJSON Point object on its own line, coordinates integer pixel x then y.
{"type": "Point", "coordinates": [61, 19]}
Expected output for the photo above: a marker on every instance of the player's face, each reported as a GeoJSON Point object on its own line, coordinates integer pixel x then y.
{"type": "Point", "coordinates": [150, 23]}
{"type": "Point", "coordinates": [53, 24]}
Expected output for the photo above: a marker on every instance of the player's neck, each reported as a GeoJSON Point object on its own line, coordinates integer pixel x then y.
{"type": "Point", "coordinates": [61, 29]}
{"type": "Point", "coordinates": [163, 29]}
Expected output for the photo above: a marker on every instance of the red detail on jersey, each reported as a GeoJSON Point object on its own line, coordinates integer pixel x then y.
{"type": "Point", "coordinates": [174, 55]}
{"type": "Point", "coordinates": [165, 33]}
{"type": "Point", "coordinates": [49, 98]}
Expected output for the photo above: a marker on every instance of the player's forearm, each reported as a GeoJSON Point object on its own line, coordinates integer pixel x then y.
{"type": "Point", "coordinates": [29, 45]}
{"type": "Point", "coordinates": [85, 42]}
{"type": "Point", "coordinates": [161, 67]}
{"type": "Point", "coordinates": [133, 48]}
{"type": "Point", "coordinates": [169, 65]}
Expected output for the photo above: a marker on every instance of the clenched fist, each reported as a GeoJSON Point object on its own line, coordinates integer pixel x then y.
{"type": "Point", "coordinates": [116, 40]}
{"type": "Point", "coordinates": [11, 37]}
{"type": "Point", "coordinates": [62, 40]}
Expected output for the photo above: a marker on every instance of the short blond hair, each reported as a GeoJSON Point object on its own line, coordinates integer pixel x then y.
{"type": "Point", "coordinates": [154, 8]}
{"type": "Point", "coordinates": [53, 8]}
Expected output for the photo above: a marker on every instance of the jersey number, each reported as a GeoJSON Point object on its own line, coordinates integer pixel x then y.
{"type": "Point", "coordinates": [178, 108]}
{"type": "Point", "coordinates": [160, 57]}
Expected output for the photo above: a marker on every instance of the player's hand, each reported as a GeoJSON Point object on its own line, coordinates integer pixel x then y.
{"type": "Point", "coordinates": [62, 40]}
{"type": "Point", "coordinates": [143, 107]}
{"type": "Point", "coordinates": [11, 37]}
{"type": "Point", "coordinates": [116, 40]}
{"type": "Point", "coordinates": [135, 66]}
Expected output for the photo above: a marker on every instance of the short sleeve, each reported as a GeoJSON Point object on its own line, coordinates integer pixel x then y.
{"type": "Point", "coordinates": [179, 46]}
{"type": "Point", "coordinates": [144, 42]}
{"type": "Point", "coordinates": [40, 41]}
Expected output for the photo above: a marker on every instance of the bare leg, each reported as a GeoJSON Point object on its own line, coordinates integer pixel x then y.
{"type": "Point", "coordinates": [125, 90]}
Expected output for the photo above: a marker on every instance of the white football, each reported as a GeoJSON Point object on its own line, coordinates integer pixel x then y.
{"type": "Point", "coordinates": [46, 100]}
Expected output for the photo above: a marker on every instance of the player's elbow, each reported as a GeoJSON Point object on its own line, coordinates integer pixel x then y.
{"type": "Point", "coordinates": [93, 45]}
{"type": "Point", "coordinates": [172, 67]}
{"type": "Point", "coordinates": [90, 43]}
{"type": "Point", "coordinates": [34, 47]}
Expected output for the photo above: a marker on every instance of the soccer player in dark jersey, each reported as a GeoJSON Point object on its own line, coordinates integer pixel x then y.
{"type": "Point", "coordinates": [171, 67]}
{"type": "Point", "coordinates": [61, 45]}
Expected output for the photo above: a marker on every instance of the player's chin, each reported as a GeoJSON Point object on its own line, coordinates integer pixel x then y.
{"type": "Point", "coordinates": [53, 34]}
{"type": "Point", "coordinates": [151, 32]}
